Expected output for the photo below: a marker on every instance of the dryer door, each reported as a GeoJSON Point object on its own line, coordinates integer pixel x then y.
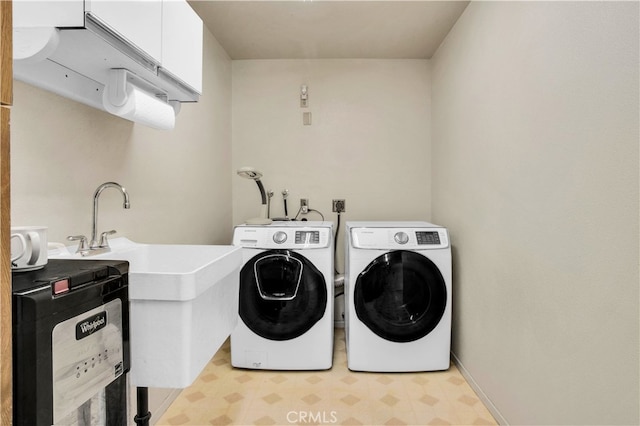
{"type": "Point", "coordinates": [400, 296]}
{"type": "Point", "coordinates": [282, 294]}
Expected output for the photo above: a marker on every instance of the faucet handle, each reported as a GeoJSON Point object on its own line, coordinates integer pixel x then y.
{"type": "Point", "coordinates": [83, 246]}
{"type": "Point", "coordinates": [103, 238]}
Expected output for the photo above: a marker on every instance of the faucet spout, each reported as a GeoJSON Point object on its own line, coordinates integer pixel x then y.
{"type": "Point", "coordinates": [94, 230]}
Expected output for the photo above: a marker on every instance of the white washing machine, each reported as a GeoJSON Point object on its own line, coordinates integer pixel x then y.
{"type": "Point", "coordinates": [286, 297]}
{"type": "Point", "coordinates": [398, 296]}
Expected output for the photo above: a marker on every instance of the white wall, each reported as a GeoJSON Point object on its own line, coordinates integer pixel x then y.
{"type": "Point", "coordinates": [179, 181]}
{"type": "Point", "coordinates": [368, 142]}
{"type": "Point", "coordinates": [535, 172]}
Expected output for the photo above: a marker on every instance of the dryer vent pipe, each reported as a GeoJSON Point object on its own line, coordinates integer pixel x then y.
{"type": "Point", "coordinates": [338, 280]}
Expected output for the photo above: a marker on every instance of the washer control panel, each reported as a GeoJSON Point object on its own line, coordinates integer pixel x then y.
{"type": "Point", "coordinates": [293, 235]}
{"type": "Point", "coordinates": [399, 238]}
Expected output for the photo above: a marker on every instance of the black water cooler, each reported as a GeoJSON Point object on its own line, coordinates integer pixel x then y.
{"type": "Point", "coordinates": [71, 343]}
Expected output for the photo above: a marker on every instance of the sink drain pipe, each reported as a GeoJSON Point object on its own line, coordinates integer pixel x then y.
{"type": "Point", "coordinates": [143, 415]}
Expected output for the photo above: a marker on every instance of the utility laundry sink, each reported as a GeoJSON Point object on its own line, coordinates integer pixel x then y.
{"type": "Point", "coordinates": [183, 306]}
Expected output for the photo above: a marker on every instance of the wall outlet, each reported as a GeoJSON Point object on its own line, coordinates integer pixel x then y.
{"type": "Point", "coordinates": [339, 206]}
{"type": "Point", "coordinates": [304, 205]}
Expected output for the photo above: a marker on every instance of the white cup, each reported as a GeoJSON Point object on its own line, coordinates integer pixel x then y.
{"type": "Point", "coordinates": [28, 247]}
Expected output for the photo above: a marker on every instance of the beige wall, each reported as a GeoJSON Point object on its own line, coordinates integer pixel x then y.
{"type": "Point", "coordinates": [535, 172]}
{"type": "Point", "coordinates": [179, 181]}
{"type": "Point", "coordinates": [368, 142]}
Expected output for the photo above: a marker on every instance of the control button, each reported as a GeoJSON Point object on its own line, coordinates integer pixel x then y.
{"type": "Point", "coordinates": [401, 238]}
{"type": "Point", "coordinates": [279, 237]}
{"type": "Point", "coordinates": [59, 287]}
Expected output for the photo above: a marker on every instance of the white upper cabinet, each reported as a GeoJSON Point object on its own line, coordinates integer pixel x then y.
{"type": "Point", "coordinates": [182, 42]}
{"type": "Point", "coordinates": [168, 33]}
{"type": "Point", "coordinates": [137, 21]}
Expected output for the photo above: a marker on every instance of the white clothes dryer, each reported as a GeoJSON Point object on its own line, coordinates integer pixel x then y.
{"type": "Point", "coordinates": [398, 296]}
{"type": "Point", "coordinates": [286, 297]}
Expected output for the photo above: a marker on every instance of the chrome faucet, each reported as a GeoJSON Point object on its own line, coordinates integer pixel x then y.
{"type": "Point", "coordinates": [103, 243]}
{"type": "Point", "coordinates": [96, 247]}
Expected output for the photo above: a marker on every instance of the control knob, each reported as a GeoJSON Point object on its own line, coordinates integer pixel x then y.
{"type": "Point", "coordinates": [279, 237]}
{"type": "Point", "coordinates": [401, 238]}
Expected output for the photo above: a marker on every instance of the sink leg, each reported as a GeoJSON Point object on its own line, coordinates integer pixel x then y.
{"type": "Point", "coordinates": [143, 415]}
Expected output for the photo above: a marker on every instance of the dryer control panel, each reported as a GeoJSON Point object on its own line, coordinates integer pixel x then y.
{"type": "Point", "coordinates": [399, 238]}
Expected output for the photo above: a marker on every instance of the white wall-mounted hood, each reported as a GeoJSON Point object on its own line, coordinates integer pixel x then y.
{"type": "Point", "coordinates": [80, 63]}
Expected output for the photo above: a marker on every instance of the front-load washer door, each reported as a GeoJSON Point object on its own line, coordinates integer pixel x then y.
{"type": "Point", "coordinates": [282, 294]}
{"type": "Point", "coordinates": [400, 296]}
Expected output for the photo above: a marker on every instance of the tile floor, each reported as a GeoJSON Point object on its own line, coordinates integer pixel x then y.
{"type": "Point", "coordinates": [223, 395]}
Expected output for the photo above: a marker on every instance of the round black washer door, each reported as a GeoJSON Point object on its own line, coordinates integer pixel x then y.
{"type": "Point", "coordinates": [401, 296]}
{"type": "Point", "coordinates": [288, 298]}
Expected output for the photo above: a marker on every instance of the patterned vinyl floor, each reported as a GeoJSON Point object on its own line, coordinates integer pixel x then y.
{"type": "Point", "coordinates": [223, 395]}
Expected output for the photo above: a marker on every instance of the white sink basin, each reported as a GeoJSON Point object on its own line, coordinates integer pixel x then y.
{"type": "Point", "coordinates": [183, 306]}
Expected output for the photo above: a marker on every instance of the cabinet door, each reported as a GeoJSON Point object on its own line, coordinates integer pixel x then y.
{"type": "Point", "coordinates": [6, 48]}
{"type": "Point", "coordinates": [182, 42]}
{"type": "Point", "coordinates": [138, 21]}
{"type": "Point", "coordinates": [48, 13]}
{"type": "Point", "coordinates": [6, 363]}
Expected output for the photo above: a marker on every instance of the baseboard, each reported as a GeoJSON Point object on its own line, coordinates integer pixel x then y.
{"type": "Point", "coordinates": [478, 390]}
{"type": "Point", "coordinates": [163, 406]}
